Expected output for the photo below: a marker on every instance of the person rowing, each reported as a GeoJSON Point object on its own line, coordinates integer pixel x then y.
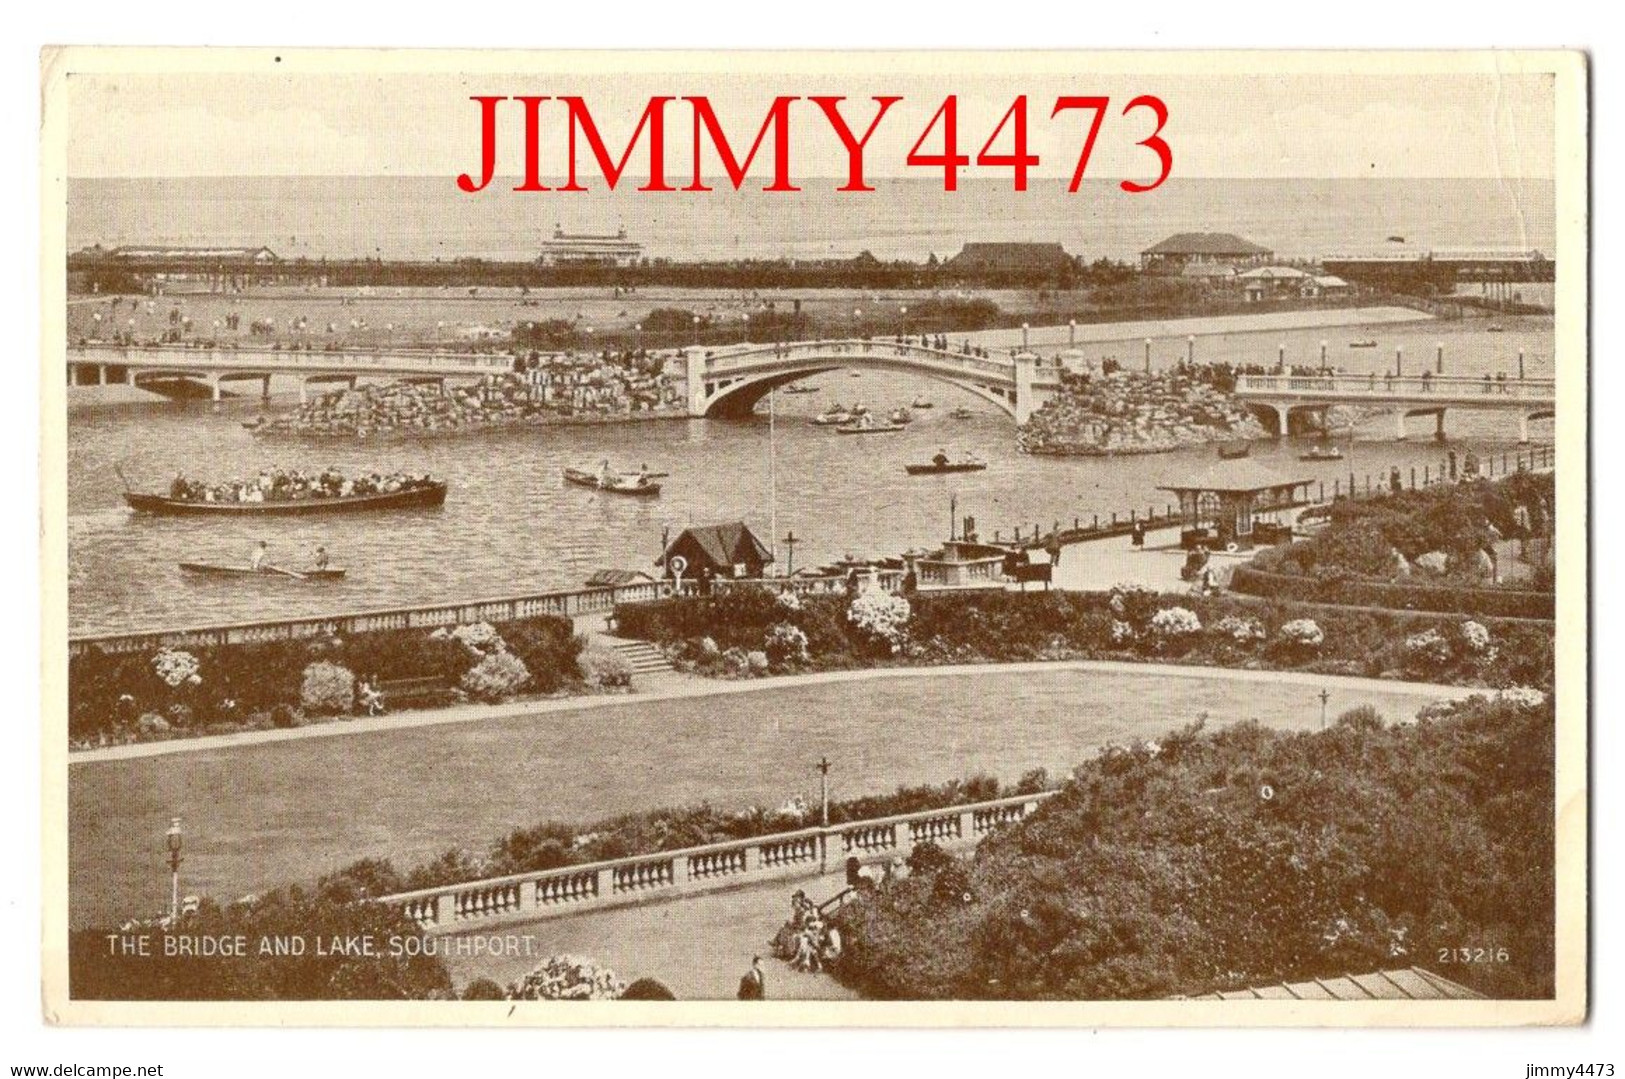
{"type": "Point", "coordinates": [320, 559]}
{"type": "Point", "coordinates": [256, 561]}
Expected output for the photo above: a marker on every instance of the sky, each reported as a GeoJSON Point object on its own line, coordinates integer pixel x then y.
{"type": "Point", "coordinates": [1281, 115]}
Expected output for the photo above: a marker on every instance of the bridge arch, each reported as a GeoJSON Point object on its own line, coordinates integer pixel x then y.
{"type": "Point", "coordinates": [730, 385]}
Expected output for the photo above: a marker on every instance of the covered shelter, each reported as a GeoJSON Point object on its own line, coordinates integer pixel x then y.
{"type": "Point", "coordinates": [720, 550]}
{"type": "Point", "coordinates": [1220, 505]}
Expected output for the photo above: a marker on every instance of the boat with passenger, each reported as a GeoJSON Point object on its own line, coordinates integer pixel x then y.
{"type": "Point", "coordinates": [901, 415]}
{"type": "Point", "coordinates": [213, 569]}
{"type": "Point", "coordinates": [1367, 343]}
{"type": "Point", "coordinates": [961, 413]}
{"type": "Point", "coordinates": [1234, 451]}
{"type": "Point", "coordinates": [1321, 453]}
{"type": "Point", "coordinates": [942, 464]}
{"type": "Point", "coordinates": [833, 416]}
{"type": "Point", "coordinates": [614, 483]}
{"type": "Point", "coordinates": [922, 402]}
{"type": "Point", "coordinates": [291, 493]}
{"type": "Point", "coordinates": [867, 425]}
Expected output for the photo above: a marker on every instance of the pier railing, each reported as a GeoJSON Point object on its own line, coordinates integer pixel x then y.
{"type": "Point", "coordinates": [672, 874]}
{"type": "Point", "coordinates": [259, 358]}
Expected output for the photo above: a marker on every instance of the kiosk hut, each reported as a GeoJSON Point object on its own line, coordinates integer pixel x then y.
{"type": "Point", "coordinates": [1220, 506]}
{"type": "Point", "coordinates": [708, 551]}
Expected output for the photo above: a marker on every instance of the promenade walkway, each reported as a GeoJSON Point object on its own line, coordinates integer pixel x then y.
{"type": "Point", "coordinates": [697, 946]}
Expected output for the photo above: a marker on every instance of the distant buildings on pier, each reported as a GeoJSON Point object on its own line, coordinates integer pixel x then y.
{"type": "Point", "coordinates": [587, 249]}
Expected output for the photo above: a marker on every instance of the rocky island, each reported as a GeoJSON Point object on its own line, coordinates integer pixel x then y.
{"type": "Point", "coordinates": [1128, 412]}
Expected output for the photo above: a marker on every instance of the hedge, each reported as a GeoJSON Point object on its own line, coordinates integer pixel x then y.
{"type": "Point", "coordinates": [1352, 592]}
{"type": "Point", "coordinates": [261, 684]}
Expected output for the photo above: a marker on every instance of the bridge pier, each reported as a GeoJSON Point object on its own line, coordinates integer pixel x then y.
{"type": "Point", "coordinates": [1523, 428]}
{"type": "Point", "coordinates": [1438, 426]}
{"type": "Point", "coordinates": [1399, 425]}
{"type": "Point", "coordinates": [1026, 374]}
{"type": "Point", "coordinates": [214, 388]}
{"type": "Point", "coordinates": [265, 388]}
{"type": "Point", "coordinates": [695, 378]}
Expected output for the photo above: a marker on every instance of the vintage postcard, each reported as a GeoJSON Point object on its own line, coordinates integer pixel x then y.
{"type": "Point", "coordinates": [815, 538]}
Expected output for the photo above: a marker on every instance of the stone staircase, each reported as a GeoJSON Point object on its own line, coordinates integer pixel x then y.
{"type": "Point", "coordinates": [643, 657]}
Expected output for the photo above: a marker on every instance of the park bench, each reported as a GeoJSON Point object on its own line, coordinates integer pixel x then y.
{"type": "Point", "coordinates": [426, 692]}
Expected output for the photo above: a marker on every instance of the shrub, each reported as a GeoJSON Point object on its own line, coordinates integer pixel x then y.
{"type": "Point", "coordinates": [328, 689]}
{"type": "Point", "coordinates": [605, 669]}
{"type": "Point", "coordinates": [176, 668]}
{"type": "Point", "coordinates": [786, 643]}
{"type": "Point", "coordinates": [152, 725]}
{"type": "Point", "coordinates": [496, 677]}
{"type": "Point", "coordinates": [1172, 623]}
{"type": "Point", "coordinates": [567, 977]}
{"type": "Point", "coordinates": [1303, 633]}
{"type": "Point", "coordinates": [286, 715]}
{"type": "Point", "coordinates": [549, 648]}
{"type": "Point", "coordinates": [647, 989]}
{"type": "Point", "coordinates": [927, 857]}
{"type": "Point", "coordinates": [882, 616]}
{"type": "Point", "coordinates": [483, 989]}
{"type": "Point", "coordinates": [1475, 636]}
{"type": "Point", "coordinates": [1240, 630]}
{"type": "Point", "coordinates": [1426, 652]}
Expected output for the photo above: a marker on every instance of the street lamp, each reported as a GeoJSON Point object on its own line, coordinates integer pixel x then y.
{"type": "Point", "coordinates": [1190, 350]}
{"type": "Point", "coordinates": [823, 814]}
{"type": "Point", "coordinates": [1024, 336]}
{"type": "Point", "coordinates": [173, 839]}
{"type": "Point", "coordinates": [1071, 331]}
{"type": "Point", "coordinates": [1148, 355]}
{"type": "Point", "coordinates": [1324, 697]}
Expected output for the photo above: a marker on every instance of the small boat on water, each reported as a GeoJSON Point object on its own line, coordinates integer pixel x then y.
{"type": "Point", "coordinates": [1322, 453]}
{"type": "Point", "coordinates": [211, 569]}
{"type": "Point", "coordinates": [867, 425]}
{"type": "Point", "coordinates": [901, 415]}
{"type": "Point", "coordinates": [922, 402]}
{"type": "Point", "coordinates": [961, 413]}
{"type": "Point", "coordinates": [613, 484]}
{"type": "Point", "coordinates": [798, 388]}
{"type": "Point", "coordinates": [1232, 451]}
{"type": "Point", "coordinates": [833, 416]}
{"type": "Point", "coordinates": [1367, 343]}
{"type": "Point", "coordinates": [424, 496]}
{"type": "Point", "coordinates": [859, 409]}
{"type": "Point", "coordinates": [1495, 327]}
{"type": "Point", "coordinates": [941, 465]}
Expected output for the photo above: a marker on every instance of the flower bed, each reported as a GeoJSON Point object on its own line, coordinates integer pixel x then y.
{"type": "Point", "coordinates": [141, 696]}
{"type": "Point", "coordinates": [1209, 861]}
{"type": "Point", "coordinates": [718, 635]}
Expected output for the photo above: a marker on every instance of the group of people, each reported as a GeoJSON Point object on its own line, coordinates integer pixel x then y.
{"type": "Point", "coordinates": [274, 485]}
{"type": "Point", "coordinates": [807, 941]}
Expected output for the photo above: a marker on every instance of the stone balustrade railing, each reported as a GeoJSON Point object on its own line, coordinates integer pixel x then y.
{"type": "Point", "coordinates": [258, 356]}
{"type": "Point", "coordinates": [676, 873]}
{"type": "Point", "coordinates": [566, 604]}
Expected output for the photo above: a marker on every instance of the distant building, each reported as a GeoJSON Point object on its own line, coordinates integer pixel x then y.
{"type": "Point", "coordinates": [573, 249]}
{"type": "Point", "coordinates": [200, 255]}
{"type": "Point", "coordinates": [1010, 258]}
{"type": "Point", "coordinates": [725, 550]}
{"type": "Point", "coordinates": [1183, 249]}
{"type": "Point", "coordinates": [1267, 281]}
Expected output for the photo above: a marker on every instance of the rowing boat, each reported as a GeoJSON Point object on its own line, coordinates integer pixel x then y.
{"type": "Point", "coordinates": [210, 569]}
{"type": "Point", "coordinates": [934, 469]}
{"type": "Point", "coordinates": [617, 485]}
{"type": "Point", "coordinates": [427, 496]}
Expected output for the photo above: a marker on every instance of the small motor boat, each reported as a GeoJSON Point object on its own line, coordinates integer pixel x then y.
{"type": "Point", "coordinates": [901, 415]}
{"type": "Point", "coordinates": [961, 413]}
{"type": "Point", "coordinates": [943, 466]}
{"type": "Point", "coordinates": [1233, 451]}
{"type": "Point", "coordinates": [867, 425]}
{"type": "Point", "coordinates": [1367, 343]}
{"type": "Point", "coordinates": [922, 402]}
{"type": "Point", "coordinates": [1322, 453]}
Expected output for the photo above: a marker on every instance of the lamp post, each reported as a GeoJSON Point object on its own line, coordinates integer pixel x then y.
{"type": "Point", "coordinates": [1323, 354]}
{"type": "Point", "coordinates": [1324, 697]}
{"type": "Point", "coordinates": [1439, 360]}
{"type": "Point", "coordinates": [1148, 355]}
{"type": "Point", "coordinates": [173, 839]}
{"type": "Point", "coordinates": [1190, 350]}
{"type": "Point", "coordinates": [823, 813]}
{"type": "Point", "coordinates": [1280, 357]}
{"type": "Point", "coordinates": [1024, 336]}
{"type": "Point", "coordinates": [1071, 331]}
{"type": "Point", "coordinates": [790, 542]}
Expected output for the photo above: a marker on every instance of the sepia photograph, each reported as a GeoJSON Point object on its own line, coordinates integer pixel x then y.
{"type": "Point", "coordinates": [814, 538]}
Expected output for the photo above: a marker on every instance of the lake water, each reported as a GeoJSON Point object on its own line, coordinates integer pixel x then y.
{"type": "Point", "coordinates": [510, 525]}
